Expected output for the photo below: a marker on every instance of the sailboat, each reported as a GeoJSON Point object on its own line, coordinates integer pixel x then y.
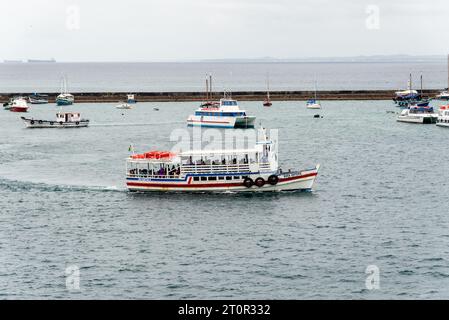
{"type": "Point", "coordinates": [65, 98]}
{"type": "Point", "coordinates": [313, 103]}
{"type": "Point", "coordinates": [267, 101]}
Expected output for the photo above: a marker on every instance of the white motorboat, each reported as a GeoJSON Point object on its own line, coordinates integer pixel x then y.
{"type": "Point", "coordinates": [124, 105]}
{"type": "Point", "coordinates": [63, 120]}
{"type": "Point", "coordinates": [314, 103]}
{"type": "Point", "coordinates": [444, 95]}
{"type": "Point", "coordinates": [231, 170]}
{"type": "Point", "coordinates": [225, 114]}
{"type": "Point", "coordinates": [416, 114]}
{"type": "Point", "coordinates": [443, 117]}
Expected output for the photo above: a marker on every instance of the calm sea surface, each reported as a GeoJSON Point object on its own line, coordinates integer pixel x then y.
{"type": "Point", "coordinates": [381, 199]}
{"type": "Point", "coordinates": [135, 77]}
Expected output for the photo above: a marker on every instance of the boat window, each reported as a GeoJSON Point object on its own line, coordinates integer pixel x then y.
{"type": "Point", "coordinates": [236, 178]}
{"type": "Point", "coordinates": [220, 178]}
{"type": "Point", "coordinates": [212, 178]}
{"type": "Point", "coordinates": [196, 178]}
{"type": "Point", "coordinates": [203, 178]}
{"type": "Point", "coordinates": [228, 178]}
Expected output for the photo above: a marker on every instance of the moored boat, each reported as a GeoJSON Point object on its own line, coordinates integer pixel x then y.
{"type": "Point", "coordinates": [225, 114]}
{"type": "Point", "coordinates": [233, 170]}
{"type": "Point", "coordinates": [313, 103]}
{"type": "Point", "coordinates": [36, 98]}
{"type": "Point", "coordinates": [267, 100]}
{"type": "Point", "coordinates": [63, 120]}
{"type": "Point", "coordinates": [416, 114]}
{"type": "Point", "coordinates": [443, 95]}
{"type": "Point", "coordinates": [443, 117]}
{"type": "Point", "coordinates": [130, 98]}
{"type": "Point", "coordinates": [65, 98]}
{"type": "Point", "coordinates": [124, 105]}
{"type": "Point", "coordinates": [18, 105]}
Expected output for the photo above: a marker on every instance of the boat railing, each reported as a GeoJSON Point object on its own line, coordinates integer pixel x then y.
{"type": "Point", "coordinates": [221, 168]}
{"type": "Point", "coordinates": [150, 175]}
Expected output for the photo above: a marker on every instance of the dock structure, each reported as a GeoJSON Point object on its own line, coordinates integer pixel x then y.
{"type": "Point", "coordinates": [92, 97]}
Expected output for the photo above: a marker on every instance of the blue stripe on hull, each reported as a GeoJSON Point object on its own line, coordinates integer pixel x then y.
{"type": "Point", "coordinates": [208, 125]}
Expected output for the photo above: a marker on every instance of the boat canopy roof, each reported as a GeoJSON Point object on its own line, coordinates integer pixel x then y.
{"type": "Point", "coordinates": [218, 152]}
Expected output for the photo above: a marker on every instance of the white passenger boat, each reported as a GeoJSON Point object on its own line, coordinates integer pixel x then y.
{"type": "Point", "coordinates": [416, 114]}
{"type": "Point", "coordinates": [63, 120]}
{"type": "Point", "coordinates": [243, 170]}
{"type": "Point", "coordinates": [226, 114]}
{"type": "Point", "coordinates": [124, 105]}
{"type": "Point", "coordinates": [443, 116]}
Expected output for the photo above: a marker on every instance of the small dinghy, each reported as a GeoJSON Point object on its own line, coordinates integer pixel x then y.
{"type": "Point", "coordinates": [63, 120]}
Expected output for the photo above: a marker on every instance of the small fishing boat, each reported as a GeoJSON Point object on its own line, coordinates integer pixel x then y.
{"type": "Point", "coordinates": [313, 103]}
{"type": "Point", "coordinates": [443, 95]}
{"type": "Point", "coordinates": [225, 114]}
{"type": "Point", "coordinates": [19, 105]}
{"type": "Point", "coordinates": [124, 105]}
{"type": "Point", "coordinates": [65, 98]}
{"type": "Point", "coordinates": [63, 120]}
{"type": "Point", "coordinates": [443, 117]}
{"type": "Point", "coordinates": [131, 98]}
{"type": "Point", "coordinates": [36, 98]}
{"type": "Point", "coordinates": [416, 114]}
{"type": "Point", "coordinates": [267, 101]}
{"type": "Point", "coordinates": [229, 170]}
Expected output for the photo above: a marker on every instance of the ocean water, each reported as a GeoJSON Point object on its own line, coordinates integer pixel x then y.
{"type": "Point", "coordinates": [229, 76]}
{"type": "Point", "coordinates": [381, 199]}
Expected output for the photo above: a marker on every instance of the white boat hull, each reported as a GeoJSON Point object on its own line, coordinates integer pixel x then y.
{"type": "Point", "coordinates": [303, 181]}
{"type": "Point", "coordinates": [418, 119]}
{"type": "Point", "coordinates": [314, 106]}
{"type": "Point", "coordinates": [31, 123]}
{"type": "Point", "coordinates": [222, 122]}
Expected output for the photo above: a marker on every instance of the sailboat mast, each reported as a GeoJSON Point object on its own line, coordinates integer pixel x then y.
{"type": "Point", "coordinates": [210, 85]}
{"type": "Point", "coordinates": [207, 89]}
{"type": "Point", "coordinates": [268, 85]}
{"type": "Point", "coordinates": [410, 83]}
{"type": "Point", "coordinates": [421, 85]}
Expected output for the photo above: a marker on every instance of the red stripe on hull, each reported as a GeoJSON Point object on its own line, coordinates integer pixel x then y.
{"type": "Point", "coordinates": [207, 185]}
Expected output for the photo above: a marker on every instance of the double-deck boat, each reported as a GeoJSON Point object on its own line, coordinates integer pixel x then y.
{"type": "Point", "coordinates": [443, 117]}
{"type": "Point", "coordinates": [18, 105]}
{"type": "Point", "coordinates": [225, 114]}
{"type": "Point", "coordinates": [63, 120]}
{"type": "Point", "coordinates": [416, 114]}
{"type": "Point", "coordinates": [233, 170]}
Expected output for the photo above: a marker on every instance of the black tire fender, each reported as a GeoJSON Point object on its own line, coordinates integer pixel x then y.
{"type": "Point", "coordinates": [260, 182]}
{"type": "Point", "coordinates": [32, 121]}
{"type": "Point", "coordinates": [273, 179]}
{"type": "Point", "coordinates": [248, 182]}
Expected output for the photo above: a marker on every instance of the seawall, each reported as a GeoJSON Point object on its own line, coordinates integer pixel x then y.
{"type": "Point", "coordinates": [239, 95]}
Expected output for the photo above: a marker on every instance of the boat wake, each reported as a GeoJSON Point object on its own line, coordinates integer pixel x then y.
{"type": "Point", "coordinates": [118, 124]}
{"type": "Point", "coordinates": [19, 186]}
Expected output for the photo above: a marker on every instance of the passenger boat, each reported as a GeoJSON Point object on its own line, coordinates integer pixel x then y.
{"type": "Point", "coordinates": [443, 117]}
{"type": "Point", "coordinates": [124, 105]}
{"type": "Point", "coordinates": [416, 114]}
{"type": "Point", "coordinates": [225, 114]}
{"type": "Point", "coordinates": [131, 98]}
{"type": "Point", "coordinates": [63, 120]}
{"type": "Point", "coordinates": [244, 170]}
{"type": "Point", "coordinates": [19, 105]}
{"type": "Point", "coordinates": [65, 98]}
{"type": "Point", "coordinates": [36, 98]}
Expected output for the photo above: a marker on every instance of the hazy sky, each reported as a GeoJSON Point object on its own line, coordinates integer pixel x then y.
{"type": "Point", "coordinates": [153, 30]}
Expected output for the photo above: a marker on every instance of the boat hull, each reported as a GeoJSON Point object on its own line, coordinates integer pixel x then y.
{"type": "Point", "coordinates": [417, 119]}
{"type": "Point", "coordinates": [61, 102]}
{"type": "Point", "coordinates": [221, 122]}
{"type": "Point", "coordinates": [32, 123]}
{"type": "Point", "coordinates": [314, 106]}
{"type": "Point", "coordinates": [18, 109]}
{"type": "Point", "coordinates": [303, 181]}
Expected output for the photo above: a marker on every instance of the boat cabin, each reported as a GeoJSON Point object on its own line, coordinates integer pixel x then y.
{"type": "Point", "coordinates": [233, 162]}
{"type": "Point", "coordinates": [68, 117]}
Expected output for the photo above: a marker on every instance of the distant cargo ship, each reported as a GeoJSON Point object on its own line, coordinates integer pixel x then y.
{"type": "Point", "coordinates": [41, 61]}
{"type": "Point", "coordinates": [12, 61]}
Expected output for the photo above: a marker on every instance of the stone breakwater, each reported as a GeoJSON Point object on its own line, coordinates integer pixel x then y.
{"type": "Point", "coordinates": [239, 95]}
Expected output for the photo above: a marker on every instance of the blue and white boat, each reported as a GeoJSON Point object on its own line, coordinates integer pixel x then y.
{"type": "Point", "coordinates": [223, 114]}
{"type": "Point", "coordinates": [36, 98]}
{"type": "Point", "coordinates": [65, 98]}
{"type": "Point", "coordinates": [131, 99]}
